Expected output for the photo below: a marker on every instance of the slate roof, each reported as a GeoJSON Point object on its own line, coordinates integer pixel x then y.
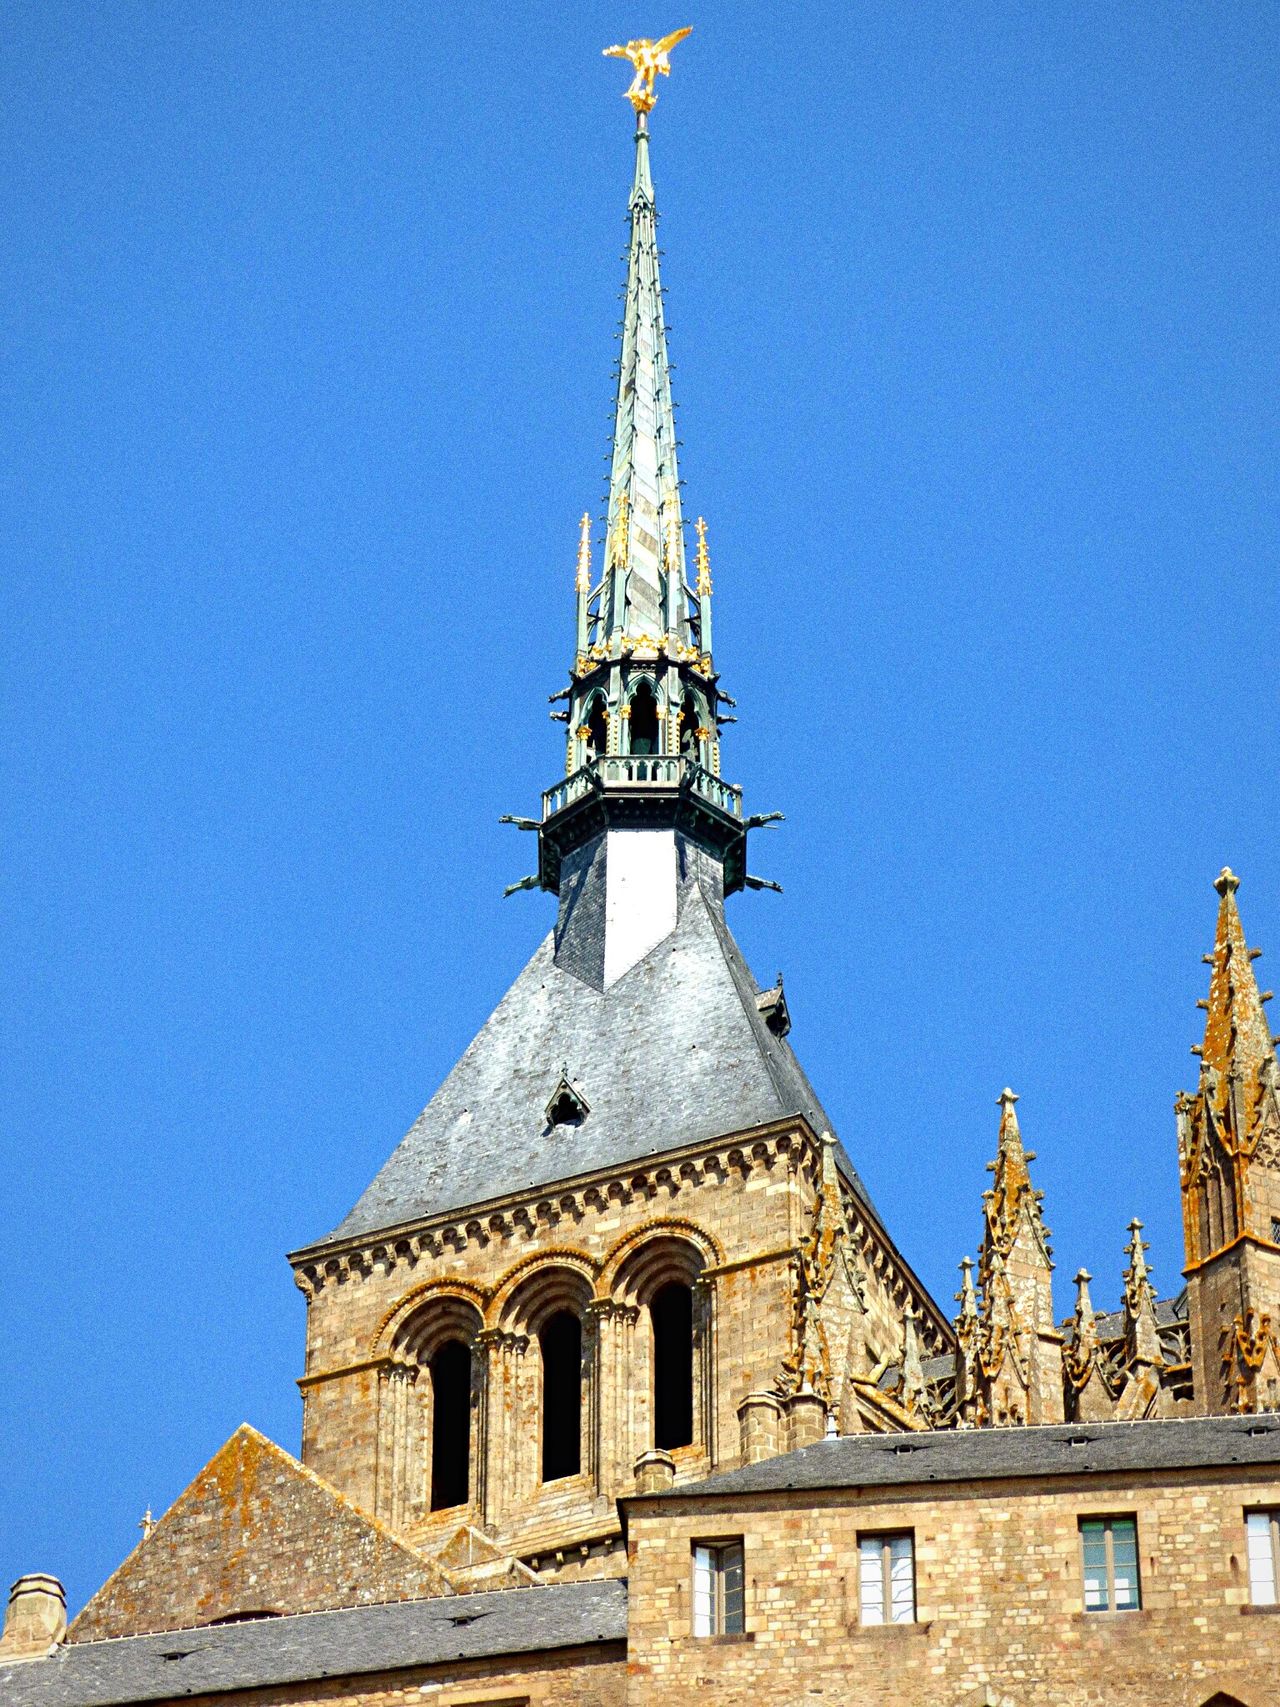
{"type": "Point", "coordinates": [276, 1651]}
{"type": "Point", "coordinates": [676, 1051]}
{"type": "Point", "coordinates": [987, 1454]}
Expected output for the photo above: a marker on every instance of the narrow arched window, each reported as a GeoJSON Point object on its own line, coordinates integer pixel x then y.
{"type": "Point", "coordinates": [644, 720]}
{"type": "Point", "coordinates": [450, 1425]}
{"type": "Point", "coordinates": [598, 724]}
{"type": "Point", "coordinates": [560, 1340]}
{"type": "Point", "coordinates": [671, 1312]}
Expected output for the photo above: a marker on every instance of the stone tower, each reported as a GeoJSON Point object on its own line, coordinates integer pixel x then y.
{"type": "Point", "coordinates": [620, 1246]}
{"type": "Point", "coordinates": [1229, 1154]}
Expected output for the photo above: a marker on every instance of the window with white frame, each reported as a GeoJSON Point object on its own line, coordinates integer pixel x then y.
{"type": "Point", "coordinates": [887, 1578]}
{"type": "Point", "coordinates": [1264, 1557]}
{"type": "Point", "coordinates": [718, 1602]}
{"type": "Point", "coordinates": [1110, 1549]}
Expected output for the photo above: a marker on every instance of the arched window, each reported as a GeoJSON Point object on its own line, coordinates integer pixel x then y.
{"type": "Point", "coordinates": [560, 1339]}
{"type": "Point", "coordinates": [598, 724]}
{"type": "Point", "coordinates": [644, 720]}
{"type": "Point", "coordinates": [671, 1312]}
{"type": "Point", "coordinates": [450, 1368]}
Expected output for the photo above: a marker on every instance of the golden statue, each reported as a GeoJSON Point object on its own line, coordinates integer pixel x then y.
{"type": "Point", "coordinates": [650, 59]}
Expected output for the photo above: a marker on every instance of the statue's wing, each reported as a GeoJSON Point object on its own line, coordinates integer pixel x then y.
{"type": "Point", "coordinates": [668, 42]}
{"type": "Point", "coordinates": [616, 53]}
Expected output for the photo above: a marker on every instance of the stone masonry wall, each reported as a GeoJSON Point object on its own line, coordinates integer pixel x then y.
{"type": "Point", "coordinates": [999, 1599]}
{"type": "Point", "coordinates": [728, 1216]}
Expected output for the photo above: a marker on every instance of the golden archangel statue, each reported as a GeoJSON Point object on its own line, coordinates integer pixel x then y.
{"type": "Point", "coordinates": [650, 59]}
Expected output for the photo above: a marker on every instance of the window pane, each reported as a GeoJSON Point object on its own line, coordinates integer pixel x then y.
{"type": "Point", "coordinates": [871, 1580]}
{"type": "Point", "coordinates": [734, 1608]}
{"type": "Point", "coordinates": [902, 1579]}
{"type": "Point", "coordinates": [1262, 1559]}
{"type": "Point", "coordinates": [1124, 1540]}
{"type": "Point", "coordinates": [1094, 1537]}
{"type": "Point", "coordinates": [703, 1592]}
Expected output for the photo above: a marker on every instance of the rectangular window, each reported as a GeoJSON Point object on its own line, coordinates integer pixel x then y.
{"type": "Point", "coordinates": [1264, 1557]}
{"type": "Point", "coordinates": [718, 1605]}
{"type": "Point", "coordinates": [887, 1578]}
{"type": "Point", "coordinates": [1110, 1547]}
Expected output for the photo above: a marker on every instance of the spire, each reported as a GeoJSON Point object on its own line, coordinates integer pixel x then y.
{"type": "Point", "coordinates": [644, 703]}
{"type": "Point", "coordinates": [1229, 1161]}
{"type": "Point", "coordinates": [644, 595]}
{"type": "Point", "coordinates": [1012, 1205]}
{"type": "Point", "coordinates": [1237, 1038]}
{"type": "Point", "coordinates": [1022, 1358]}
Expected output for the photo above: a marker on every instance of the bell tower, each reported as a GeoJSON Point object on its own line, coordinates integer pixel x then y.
{"type": "Point", "coordinates": [621, 1246]}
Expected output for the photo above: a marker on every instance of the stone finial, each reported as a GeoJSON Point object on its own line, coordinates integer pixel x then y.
{"type": "Point", "coordinates": [1085, 1335]}
{"type": "Point", "coordinates": [655, 1471]}
{"type": "Point", "coordinates": [1226, 882]}
{"type": "Point", "coordinates": [967, 1298]}
{"type": "Point", "coordinates": [36, 1619]}
{"type": "Point", "coordinates": [1142, 1334]}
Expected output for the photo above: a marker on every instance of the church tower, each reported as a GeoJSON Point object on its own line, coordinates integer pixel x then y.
{"type": "Point", "coordinates": [621, 1246]}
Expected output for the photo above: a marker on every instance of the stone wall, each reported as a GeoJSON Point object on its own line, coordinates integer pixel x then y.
{"type": "Point", "coordinates": [999, 1598]}
{"type": "Point", "coordinates": [728, 1217]}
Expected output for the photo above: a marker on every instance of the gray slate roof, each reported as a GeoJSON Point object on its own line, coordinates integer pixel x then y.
{"type": "Point", "coordinates": [674, 1052]}
{"type": "Point", "coordinates": [273, 1651]}
{"type": "Point", "coordinates": [960, 1455]}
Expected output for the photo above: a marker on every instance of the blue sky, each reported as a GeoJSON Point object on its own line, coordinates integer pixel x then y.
{"type": "Point", "coordinates": [308, 315]}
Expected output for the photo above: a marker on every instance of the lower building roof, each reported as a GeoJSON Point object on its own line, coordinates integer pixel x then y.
{"type": "Point", "coordinates": [974, 1455]}
{"type": "Point", "coordinates": [309, 1646]}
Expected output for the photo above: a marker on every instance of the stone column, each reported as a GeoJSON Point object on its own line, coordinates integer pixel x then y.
{"type": "Point", "coordinates": [399, 1469]}
{"type": "Point", "coordinates": [614, 1334]}
{"type": "Point", "coordinates": [499, 1460]}
{"type": "Point", "coordinates": [704, 1366]}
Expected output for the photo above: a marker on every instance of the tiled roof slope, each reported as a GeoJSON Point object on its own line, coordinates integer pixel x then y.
{"type": "Point", "coordinates": [962, 1455]}
{"type": "Point", "coordinates": [277, 1651]}
{"type": "Point", "coordinates": [674, 1052]}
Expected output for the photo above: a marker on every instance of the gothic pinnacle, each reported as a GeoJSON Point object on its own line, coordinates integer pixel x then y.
{"type": "Point", "coordinates": [1237, 1037]}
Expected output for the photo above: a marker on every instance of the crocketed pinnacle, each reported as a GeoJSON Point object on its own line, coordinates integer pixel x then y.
{"type": "Point", "coordinates": [1237, 1038]}
{"type": "Point", "coordinates": [1142, 1336]}
{"type": "Point", "coordinates": [1011, 1200]}
{"type": "Point", "coordinates": [645, 589]}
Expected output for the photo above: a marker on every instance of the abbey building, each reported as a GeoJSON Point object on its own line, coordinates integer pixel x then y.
{"type": "Point", "coordinates": [616, 1387]}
